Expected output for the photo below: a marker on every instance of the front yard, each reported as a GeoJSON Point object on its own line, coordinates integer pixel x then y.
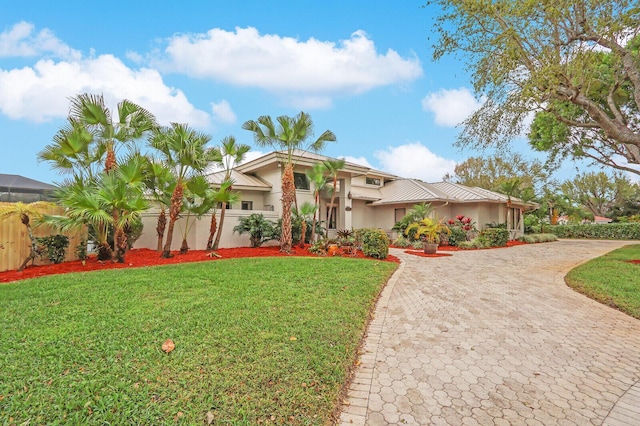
{"type": "Point", "coordinates": [258, 341]}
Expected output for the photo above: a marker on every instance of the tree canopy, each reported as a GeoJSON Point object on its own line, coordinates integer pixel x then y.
{"type": "Point", "coordinates": [575, 63]}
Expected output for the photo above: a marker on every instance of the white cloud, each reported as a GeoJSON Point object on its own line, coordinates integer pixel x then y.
{"type": "Point", "coordinates": [451, 107]}
{"type": "Point", "coordinates": [312, 70]}
{"type": "Point", "coordinates": [414, 160]}
{"type": "Point", "coordinates": [222, 112]}
{"type": "Point", "coordinates": [357, 160]}
{"type": "Point", "coordinates": [42, 92]}
{"type": "Point", "coordinates": [21, 40]}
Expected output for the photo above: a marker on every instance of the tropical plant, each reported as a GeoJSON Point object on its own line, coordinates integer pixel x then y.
{"type": "Point", "coordinates": [199, 199]}
{"type": "Point", "coordinates": [317, 175]}
{"type": "Point", "coordinates": [289, 135]}
{"type": "Point", "coordinates": [230, 154]}
{"type": "Point", "coordinates": [186, 153]}
{"type": "Point", "coordinates": [130, 123]}
{"type": "Point", "coordinates": [427, 230]}
{"type": "Point", "coordinates": [160, 183]}
{"type": "Point", "coordinates": [25, 212]}
{"type": "Point", "coordinates": [415, 214]}
{"type": "Point", "coordinates": [301, 217]}
{"type": "Point", "coordinates": [222, 197]}
{"type": "Point", "coordinates": [260, 230]}
{"type": "Point", "coordinates": [333, 167]}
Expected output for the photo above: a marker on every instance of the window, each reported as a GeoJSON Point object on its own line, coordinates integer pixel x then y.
{"type": "Point", "coordinates": [247, 205]}
{"type": "Point", "coordinates": [399, 214]}
{"type": "Point", "coordinates": [372, 181]}
{"type": "Point", "coordinates": [334, 213]}
{"type": "Point", "coordinates": [300, 181]}
{"type": "Point", "coordinates": [228, 206]}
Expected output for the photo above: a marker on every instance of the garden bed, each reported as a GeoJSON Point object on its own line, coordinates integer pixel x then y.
{"type": "Point", "coordinates": [145, 257]}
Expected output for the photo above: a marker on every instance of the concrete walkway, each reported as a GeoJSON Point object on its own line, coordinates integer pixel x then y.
{"type": "Point", "coordinates": [495, 337]}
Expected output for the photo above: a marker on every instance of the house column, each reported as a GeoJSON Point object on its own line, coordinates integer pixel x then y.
{"type": "Point", "coordinates": [344, 211]}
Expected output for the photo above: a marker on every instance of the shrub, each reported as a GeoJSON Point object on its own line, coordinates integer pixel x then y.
{"type": "Point", "coordinates": [81, 250]}
{"type": "Point", "coordinates": [457, 236]}
{"type": "Point", "coordinates": [375, 242]}
{"type": "Point", "coordinates": [55, 246]}
{"type": "Point", "coordinates": [538, 238]}
{"type": "Point", "coordinates": [319, 248]}
{"type": "Point", "coordinates": [260, 230]}
{"type": "Point", "coordinates": [609, 231]}
{"type": "Point", "coordinates": [418, 245]}
{"type": "Point", "coordinates": [402, 242]}
{"type": "Point", "coordinates": [477, 243]}
{"type": "Point", "coordinates": [495, 237]}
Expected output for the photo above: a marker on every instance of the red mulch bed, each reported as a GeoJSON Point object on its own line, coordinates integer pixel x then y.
{"type": "Point", "coordinates": [636, 261]}
{"type": "Point", "coordinates": [145, 257]}
{"type": "Point", "coordinates": [423, 254]}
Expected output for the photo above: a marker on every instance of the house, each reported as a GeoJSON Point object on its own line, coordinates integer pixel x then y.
{"type": "Point", "coordinates": [364, 198]}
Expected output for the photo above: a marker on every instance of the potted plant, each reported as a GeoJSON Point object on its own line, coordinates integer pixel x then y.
{"type": "Point", "coordinates": [428, 230]}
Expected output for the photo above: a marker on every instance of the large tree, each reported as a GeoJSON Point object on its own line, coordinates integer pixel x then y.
{"type": "Point", "coordinates": [598, 192]}
{"type": "Point", "coordinates": [291, 135]}
{"type": "Point", "coordinates": [575, 62]}
{"type": "Point", "coordinates": [491, 172]}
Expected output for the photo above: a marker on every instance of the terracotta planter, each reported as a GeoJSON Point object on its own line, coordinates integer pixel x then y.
{"type": "Point", "coordinates": [430, 248]}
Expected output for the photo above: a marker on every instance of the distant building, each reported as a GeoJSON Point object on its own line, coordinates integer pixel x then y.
{"type": "Point", "coordinates": [15, 188]}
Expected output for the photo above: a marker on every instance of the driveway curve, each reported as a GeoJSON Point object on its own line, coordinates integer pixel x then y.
{"type": "Point", "coordinates": [495, 337]}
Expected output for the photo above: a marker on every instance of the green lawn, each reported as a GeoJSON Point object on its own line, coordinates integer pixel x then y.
{"type": "Point", "coordinates": [611, 280]}
{"type": "Point", "coordinates": [258, 341]}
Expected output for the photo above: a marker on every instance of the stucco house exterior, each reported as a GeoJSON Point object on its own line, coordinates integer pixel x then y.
{"type": "Point", "coordinates": [365, 198]}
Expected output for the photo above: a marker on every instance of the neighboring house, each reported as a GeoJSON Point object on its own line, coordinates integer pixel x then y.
{"type": "Point", "coordinates": [597, 220]}
{"type": "Point", "coordinates": [19, 188]}
{"type": "Point", "coordinates": [365, 198]}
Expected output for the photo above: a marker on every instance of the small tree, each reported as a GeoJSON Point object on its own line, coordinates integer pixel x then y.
{"type": "Point", "coordinates": [260, 230]}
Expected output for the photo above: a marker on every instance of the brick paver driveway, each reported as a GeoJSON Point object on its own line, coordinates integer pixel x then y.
{"type": "Point", "coordinates": [496, 337]}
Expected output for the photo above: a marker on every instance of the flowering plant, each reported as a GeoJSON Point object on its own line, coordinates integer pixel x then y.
{"type": "Point", "coordinates": [462, 229]}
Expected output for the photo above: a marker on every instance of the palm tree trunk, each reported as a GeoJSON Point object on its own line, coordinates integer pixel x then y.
{"type": "Point", "coordinates": [333, 197]}
{"type": "Point", "coordinates": [174, 212]}
{"type": "Point", "coordinates": [33, 252]}
{"type": "Point", "coordinates": [222, 213]}
{"type": "Point", "coordinates": [212, 230]}
{"type": "Point", "coordinates": [288, 195]}
{"type": "Point", "coordinates": [313, 226]}
{"type": "Point", "coordinates": [160, 227]}
{"type": "Point", "coordinates": [303, 226]}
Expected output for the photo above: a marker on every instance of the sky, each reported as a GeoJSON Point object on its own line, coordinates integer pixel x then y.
{"type": "Point", "coordinates": [362, 69]}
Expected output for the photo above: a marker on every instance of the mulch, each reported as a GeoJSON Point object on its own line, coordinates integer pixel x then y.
{"type": "Point", "coordinates": [137, 258]}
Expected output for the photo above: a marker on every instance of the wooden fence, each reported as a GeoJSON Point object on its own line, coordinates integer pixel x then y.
{"type": "Point", "coordinates": [15, 244]}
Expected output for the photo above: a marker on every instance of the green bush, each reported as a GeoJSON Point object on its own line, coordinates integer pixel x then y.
{"type": "Point", "coordinates": [418, 245]}
{"type": "Point", "coordinates": [55, 246]}
{"type": "Point", "coordinates": [496, 237]}
{"type": "Point", "coordinates": [375, 242]}
{"type": "Point", "coordinates": [608, 231]}
{"type": "Point", "coordinates": [260, 230]}
{"type": "Point", "coordinates": [478, 242]}
{"type": "Point", "coordinates": [538, 238]}
{"type": "Point", "coordinates": [457, 235]}
{"type": "Point", "coordinates": [402, 242]}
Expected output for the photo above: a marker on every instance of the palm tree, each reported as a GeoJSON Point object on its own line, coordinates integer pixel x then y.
{"type": "Point", "coordinates": [318, 177]}
{"type": "Point", "coordinates": [74, 151]}
{"type": "Point", "coordinates": [288, 135]}
{"type": "Point", "coordinates": [199, 198]}
{"type": "Point", "coordinates": [231, 154]}
{"type": "Point", "coordinates": [333, 167]}
{"type": "Point", "coordinates": [132, 123]}
{"type": "Point", "coordinates": [26, 212]}
{"type": "Point", "coordinates": [185, 152]}
{"type": "Point", "coordinates": [160, 183]}
{"type": "Point", "coordinates": [302, 214]}
{"type": "Point", "coordinates": [510, 188]}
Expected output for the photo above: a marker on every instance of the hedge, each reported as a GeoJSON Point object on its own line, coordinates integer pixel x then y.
{"type": "Point", "coordinates": [608, 231]}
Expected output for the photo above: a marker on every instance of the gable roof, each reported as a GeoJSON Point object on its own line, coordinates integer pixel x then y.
{"type": "Point", "coordinates": [240, 181]}
{"type": "Point", "coordinates": [309, 159]}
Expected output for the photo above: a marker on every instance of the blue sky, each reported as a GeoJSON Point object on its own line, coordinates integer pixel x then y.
{"type": "Point", "coordinates": [362, 69]}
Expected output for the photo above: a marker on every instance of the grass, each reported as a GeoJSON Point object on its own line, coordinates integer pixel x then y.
{"type": "Point", "coordinates": [611, 280]}
{"type": "Point", "coordinates": [258, 341]}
